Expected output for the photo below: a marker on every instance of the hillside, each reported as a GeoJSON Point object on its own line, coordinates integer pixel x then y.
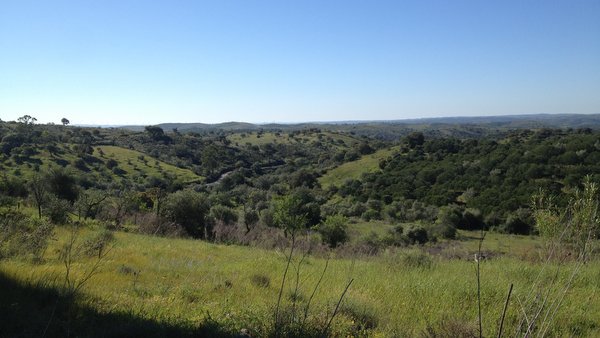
{"type": "Point", "coordinates": [137, 163]}
{"type": "Point", "coordinates": [103, 164]}
{"type": "Point", "coordinates": [355, 169]}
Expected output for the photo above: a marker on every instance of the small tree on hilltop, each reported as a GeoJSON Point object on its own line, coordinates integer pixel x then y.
{"type": "Point", "coordinates": [27, 120]}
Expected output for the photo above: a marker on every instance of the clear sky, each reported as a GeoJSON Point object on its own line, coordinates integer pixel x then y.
{"type": "Point", "coordinates": [146, 62]}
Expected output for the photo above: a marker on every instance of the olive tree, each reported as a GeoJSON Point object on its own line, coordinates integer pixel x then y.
{"type": "Point", "coordinates": [189, 209]}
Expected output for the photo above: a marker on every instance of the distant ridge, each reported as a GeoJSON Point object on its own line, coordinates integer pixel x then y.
{"type": "Point", "coordinates": [501, 121]}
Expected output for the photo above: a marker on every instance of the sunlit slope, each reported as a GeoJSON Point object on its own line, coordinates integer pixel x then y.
{"type": "Point", "coordinates": [105, 163]}
{"type": "Point", "coordinates": [353, 170]}
{"type": "Point", "coordinates": [132, 161]}
{"type": "Point", "coordinates": [181, 281]}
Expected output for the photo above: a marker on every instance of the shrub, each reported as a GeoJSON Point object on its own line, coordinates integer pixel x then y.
{"type": "Point", "coordinates": [23, 236]}
{"type": "Point", "coordinates": [334, 230]}
{"type": "Point", "coordinates": [416, 259]}
{"type": "Point", "coordinates": [449, 215]}
{"type": "Point", "coordinates": [97, 244]}
{"type": "Point", "coordinates": [396, 236]}
{"type": "Point", "coordinates": [443, 230]}
{"type": "Point", "coordinates": [190, 210]}
{"type": "Point", "coordinates": [517, 223]}
{"type": "Point", "coordinates": [58, 210]}
{"type": "Point", "coordinates": [260, 280]}
{"type": "Point", "coordinates": [371, 214]}
{"type": "Point", "coordinates": [472, 219]}
{"type": "Point", "coordinates": [111, 163]}
{"type": "Point", "coordinates": [224, 214]}
{"type": "Point", "coordinates": [417, 235]}
{"type": "Point", "coordinates": [448, 328]}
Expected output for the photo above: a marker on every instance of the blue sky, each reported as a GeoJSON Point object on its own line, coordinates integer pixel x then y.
{"type": "Point", "coordinates": [146, 62]}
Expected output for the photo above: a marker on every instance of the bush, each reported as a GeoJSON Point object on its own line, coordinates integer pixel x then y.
{"type": "Point", "coordinates": [443, 230]}
{"type": "Point", "coordinates": [111, 163]}
{"type": "Point", "coordinates": [96, 245]}
{"type": "Point", "coordinates": [190, 210]}
{"type": "Point", "coordinates": [417, 235]}
{"type": "Point", "coordinates": [260, 280]}
{"type": "Point", "coordinates": [58, 210]}
{"type": "Point", "coordinates": [517, 223]}
{"type": "Point", "coordinates": [449, 215]}
{"type": "Point", "coordinates": [472, 219]}
{"type": "Point", "coordinates": [23, 236]}
{"type": "Point", "coordinates": [334, 230]}
{"type": "Point", "coordinates": [396, 237]}
{"type": "Point", "coordinates": [416, 259]}
{"type": "Point", "coordinates": [224, 214]}
{"type": "Point", "coordinates": [371, 214]}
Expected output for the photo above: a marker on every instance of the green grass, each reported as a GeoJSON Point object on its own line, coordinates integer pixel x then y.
{"type": "Point", "coordinates": [506, 244]}
{"type": "Point", "coordinates": [43, 159]}
{"type": "Point", "coordinates": [180, 281]}
{"type": "Point", "coordinates": [268, 137]}
{"type": "Point", "coordinates": [132, 162]}
{"type": "Point", "coordinates": [358, 228]}
{"type": "Point", "coordinates": [354, 169]}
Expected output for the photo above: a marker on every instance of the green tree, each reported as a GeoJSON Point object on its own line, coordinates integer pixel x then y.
{"type": "Point", "coordinates": [334, 230]}
{"type": "Point", "coordinates": [224, 214]}
{"type": "Point", "coordinates": [251, 217]}
{"type": "Point", "coordinates": [189, 209]}
{"type": "Point", "coordinates": [288, 214]}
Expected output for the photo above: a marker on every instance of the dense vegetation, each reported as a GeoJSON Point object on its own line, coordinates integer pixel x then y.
{"type": "Point", "coordinates": [339, 191]}
{"type": "Point", "coordinates": [439, 182]}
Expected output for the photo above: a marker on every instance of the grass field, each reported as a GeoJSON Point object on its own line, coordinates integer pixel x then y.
{"type": "Point", "coordinates": [132, 162]}
{"type": "Point", "coordinates": [183, 282]}
{"type": "Point", "coordinates": [354, 169]}
{"type": "Point", "coordinates": [253, 138]}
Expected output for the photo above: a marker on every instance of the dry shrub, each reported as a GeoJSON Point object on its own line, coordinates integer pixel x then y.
{"type": "Point", "coordinates": [149, 225]}
{"type": "Point", "coordinates": [370, 245]}
{"type": "Point", "coordinates": [451, 328]}
{"type": "Point", "coordinates": [261, 280]}
{"type": "Point", "coordinates": [227, 234]}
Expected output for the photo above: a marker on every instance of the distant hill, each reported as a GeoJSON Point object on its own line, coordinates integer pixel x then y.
{"type": "Point", "coordinates": [517, 121]}
{"type": "Point", "coordinates": [463, 126]}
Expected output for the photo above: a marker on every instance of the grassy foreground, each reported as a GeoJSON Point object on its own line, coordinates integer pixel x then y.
{"type": "Point", "coordinates": [185, 283]}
